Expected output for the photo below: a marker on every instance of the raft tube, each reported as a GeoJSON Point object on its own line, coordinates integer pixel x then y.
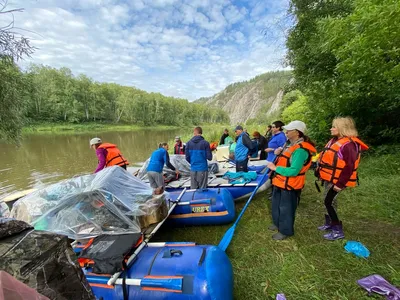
{"type": "Point", "coordinates": [171, 271]}
{"type": "Point", "coordinates": [203, 207]}
{"type": "Point", "coordinates": [238, 191]}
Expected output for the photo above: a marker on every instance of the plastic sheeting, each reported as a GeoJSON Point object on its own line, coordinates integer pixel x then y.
{"type": "Point", "coordinates": [178, 161]}
{"type": "Point", "coordinates": [357, 248]}
{"type": "Point", "coordinates": [111, 201]}
{"type": "Point", "coordinates": [34, 205]}
{"type": "Point", "coordinates": [43, 261]}
{"type": "Point", "coordinates": [181, 164]}
{"type": "Point", "coordinates": [377, 284]}
{"type": "Point", "coordinates": [86, 215]}
{"type": "Point", "coordinates": [4, 211]}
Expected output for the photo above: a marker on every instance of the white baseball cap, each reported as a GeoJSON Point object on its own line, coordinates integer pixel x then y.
{"type": "Point", "coordinates": [95, 141]}
{"type": "Point", "coordinates": [296, 125]}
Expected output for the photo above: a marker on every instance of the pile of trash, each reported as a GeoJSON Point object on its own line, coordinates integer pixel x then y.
{"type": "Point", "coordinates": [108, 202]}
{"type": "Point", "coordinates": [43, 261]}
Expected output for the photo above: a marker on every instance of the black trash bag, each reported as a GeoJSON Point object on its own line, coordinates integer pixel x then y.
{"type": "Point", "coordinates": [43, 261]}
{"type": "Point", "coordinates": [9, 227]}
{"type": "Point", "coordinates": [109, 251]}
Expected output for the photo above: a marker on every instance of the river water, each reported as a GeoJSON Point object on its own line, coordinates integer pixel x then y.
{"type": "Point", "coordinates": [44, 158]}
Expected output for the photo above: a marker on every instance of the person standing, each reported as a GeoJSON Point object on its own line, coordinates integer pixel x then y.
{"type": "Point", "coordinates": [262, 144]}
{"type": "Point", "coordinates": [179, 147]}
{"type": "Point", "coordinates": [108, 155]}
{"type": "Point", "coordinates": [243, 150]}
{"type": "Point", "coordinates": [289, 178]}
{"type": "Point", "coordinates": [223, 137]}
{"type": "Point", "coordinates": [197, 153]}
{"type": "Point", "coordinates": [337, 169]}
{"type": "Point", "coordinates": [156, 164]}
{"type": "Point", "coordinates": [269, 133]}
{"type": "Point", "coordinates": [278, 140]}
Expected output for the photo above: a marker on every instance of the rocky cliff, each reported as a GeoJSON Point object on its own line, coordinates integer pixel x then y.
{"type": "Point", "coordinates": [251, 100]}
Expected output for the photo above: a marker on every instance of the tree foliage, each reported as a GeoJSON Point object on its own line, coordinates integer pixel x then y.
{"type": "Point", "coordinates": [11, 99]}
{"type": "Point", "coordinates": [55, 95]}
{"type": "Point", "coordinates": [346, 60]}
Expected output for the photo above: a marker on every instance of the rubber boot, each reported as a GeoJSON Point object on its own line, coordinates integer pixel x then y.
{"type": "Point", "coordinates": [327, 225]}
{"type": "Point", "coordinates": [336, 233]}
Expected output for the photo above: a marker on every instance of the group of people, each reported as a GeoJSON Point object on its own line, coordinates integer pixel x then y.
{"type": "Point", "coordinates": [336, 169]}
{"type": "Point", "coordinates": [288, 152]}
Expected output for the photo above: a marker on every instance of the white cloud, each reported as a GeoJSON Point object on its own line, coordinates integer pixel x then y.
{"type": "Point", "coordinates": [234, 14]}
{"type": "Point", "coordinates": [186, 48]}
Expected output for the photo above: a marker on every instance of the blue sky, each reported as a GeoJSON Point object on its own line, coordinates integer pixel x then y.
{"type": "Point", "coordinates": [187, 48]}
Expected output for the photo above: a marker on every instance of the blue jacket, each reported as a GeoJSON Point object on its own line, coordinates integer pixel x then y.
{"type": "Point", "coordinates": [276, 141]}
{"type": "Point", "coordinates": [244, 147]}
{"type": "Point", "coordinates": [158, 159]}
{"type": "Point", "coordinates": [197, 153]}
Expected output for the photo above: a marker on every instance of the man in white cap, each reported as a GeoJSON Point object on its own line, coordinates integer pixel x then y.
{"type": "Point", "coordinates": [179, 147]}
{"type": "Point", "coordinates": [288, 178]}
{"type": "Point", "coordinates": [108, 155]}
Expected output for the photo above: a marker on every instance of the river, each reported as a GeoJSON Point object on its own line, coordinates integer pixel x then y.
{"type": "Point", "coordinates": [44, 158]}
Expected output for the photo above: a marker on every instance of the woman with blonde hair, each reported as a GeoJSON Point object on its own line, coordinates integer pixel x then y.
{"type": "Point", "coordinates": [337, 169]}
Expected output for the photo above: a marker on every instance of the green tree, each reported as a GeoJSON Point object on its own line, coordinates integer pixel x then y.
{"type": "Point", "coordinates": [11, 100]}
{"type": "Point", "coordinates": [346, 58]}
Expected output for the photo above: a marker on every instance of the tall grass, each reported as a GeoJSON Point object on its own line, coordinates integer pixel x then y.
{"type": "Point", "coordinates": [306, 266]}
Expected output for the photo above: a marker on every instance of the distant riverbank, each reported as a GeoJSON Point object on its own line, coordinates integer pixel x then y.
{"type": "Point", "coordinates": [86, 127]}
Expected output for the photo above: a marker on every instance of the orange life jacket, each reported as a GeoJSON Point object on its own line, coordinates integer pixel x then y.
{"type": "Point", "coordinates": [330, 164]}
{"type": "Point", "coordinates": [283, 160]}
{"type": "Point", "coordinates": [213, 146]}
{"type": "Point", "coordinates": [114, 156]}
{"type": "Point", "coordinates": [179, 148]}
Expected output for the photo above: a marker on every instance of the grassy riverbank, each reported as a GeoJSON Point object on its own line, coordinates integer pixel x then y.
{"type": "Point", "coordinates": [55, 128]}
{"type": "Point", "coordinates": [306, 266]}
{"type": "Point", "coordinates": [88, 127]}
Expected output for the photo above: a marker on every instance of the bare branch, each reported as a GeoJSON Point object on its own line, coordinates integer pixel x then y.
{"type": "Point", "coordinates": [12, 43]}
{"type": "Point", "coordinates": [11, 11]}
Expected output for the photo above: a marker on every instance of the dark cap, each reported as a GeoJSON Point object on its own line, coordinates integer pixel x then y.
{"type": "Point", "coordinates": [238, 128]}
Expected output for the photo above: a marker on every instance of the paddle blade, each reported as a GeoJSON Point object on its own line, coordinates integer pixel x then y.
{"type": "Point", "coordinates": [226, 240]}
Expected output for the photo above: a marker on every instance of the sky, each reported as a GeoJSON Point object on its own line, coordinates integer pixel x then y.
{"type": "Point", "coordinates": [182, 48]}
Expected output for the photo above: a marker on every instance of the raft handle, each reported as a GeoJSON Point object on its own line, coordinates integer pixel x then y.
{"type": "Point", "coordinates": [169, 253]}
{"type": "Point", "coordinates": [203, 255]}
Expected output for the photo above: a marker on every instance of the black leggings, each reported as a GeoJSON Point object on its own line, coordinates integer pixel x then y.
{"type": "Point", "coordinates": [330, 196]}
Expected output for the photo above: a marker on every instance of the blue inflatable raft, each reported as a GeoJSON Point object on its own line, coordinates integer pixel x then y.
{"type": "Point", "coordinates": [203, 207]}
{"type": "Point", "coordinates": [171, 271]}
{"type": "Point", "coordinates": [237, 190]}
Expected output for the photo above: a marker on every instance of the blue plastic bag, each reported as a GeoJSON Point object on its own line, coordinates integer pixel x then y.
{"type": "Point", "coordinates": [357, 248]}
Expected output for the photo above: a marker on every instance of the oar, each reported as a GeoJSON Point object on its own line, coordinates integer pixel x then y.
{"type": "Point", "coordinates": [144, 243]}
{"type": "Point", "coordinates": [226, 239]}
{"type": "Point", "coordinates": [153, 282]}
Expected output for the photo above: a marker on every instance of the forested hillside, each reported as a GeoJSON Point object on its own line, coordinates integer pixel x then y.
{"type": "Point", "coordinates": [45, 94]}
{"type": "Point", "coordinates": [252, 101]}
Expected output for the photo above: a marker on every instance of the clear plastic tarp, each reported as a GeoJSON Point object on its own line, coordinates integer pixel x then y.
{"type": "Point", "coordinates": [86, 215]}
{"type": "Point", "coordinates": [111, 201]}
{"type": "Point", "coordinates": [180, 163]}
